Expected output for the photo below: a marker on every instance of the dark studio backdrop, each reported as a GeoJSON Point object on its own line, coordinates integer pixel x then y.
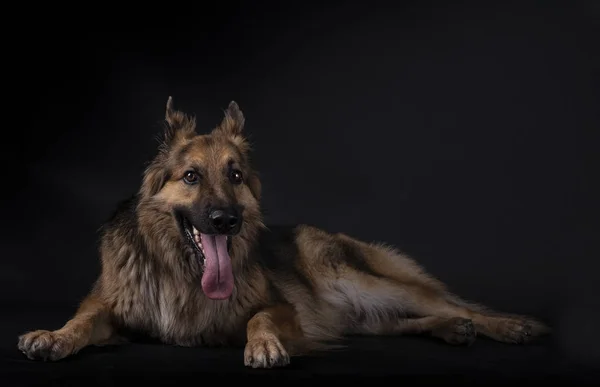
{"type": "Point", "coordinates": [465, 134]}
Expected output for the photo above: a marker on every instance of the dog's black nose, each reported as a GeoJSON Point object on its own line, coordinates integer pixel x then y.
{"type": "Point", "coordinates": [222, 220]}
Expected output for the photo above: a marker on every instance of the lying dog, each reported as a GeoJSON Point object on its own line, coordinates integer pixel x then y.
{"type": "Point", "coordinates": [188, 261]}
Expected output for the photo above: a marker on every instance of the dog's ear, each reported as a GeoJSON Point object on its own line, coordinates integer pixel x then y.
{"type": "Point", "coordinates": [154, 178]}
{"type": "Point", "coordinates": [179, 124]}
{"type": "Point", "coordinates": [233, 122]}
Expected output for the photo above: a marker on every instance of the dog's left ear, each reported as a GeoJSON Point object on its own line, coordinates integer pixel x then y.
{"type": "Point", "coordinates": [233, 122]}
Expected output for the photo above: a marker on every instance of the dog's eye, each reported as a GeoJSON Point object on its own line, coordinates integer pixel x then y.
{"type": "Point", "coordinates": [236, 176]}
{"type": "Point", "coordinates": [190, 177]}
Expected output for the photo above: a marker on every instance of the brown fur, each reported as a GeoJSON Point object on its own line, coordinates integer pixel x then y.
{"type": "Point", "coordinates": [296, 289]}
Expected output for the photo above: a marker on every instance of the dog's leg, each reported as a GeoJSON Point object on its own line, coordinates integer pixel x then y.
{"type": "Point", "coordinates": [268, 331]}
{"type": "Point", "coordinates": [456, 330]}
{"type": "Point", "coordinates": [372, 284]}
{"type": "Point", "coordinates": [506, 329]}
{"type": "Point", "coordinates": [90, 326]}
{"type": "Point", "coordinates": [509, 329]}
{"type": "Point", "coordinates": [397, 281]}
{"type": "Point", "coordinates": [444, 316]}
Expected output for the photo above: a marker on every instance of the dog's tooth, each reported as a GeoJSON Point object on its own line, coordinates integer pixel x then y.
{"type": "Point", "coordinates": [196, 232]}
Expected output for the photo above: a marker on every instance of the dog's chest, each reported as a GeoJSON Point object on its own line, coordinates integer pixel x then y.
{"type": "Point", "coordinates": [182, 315]}
{"type": "Point", "coordinates": [175, 310]}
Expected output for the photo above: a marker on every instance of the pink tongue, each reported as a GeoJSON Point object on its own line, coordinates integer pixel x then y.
{"type": "Point", "coordinates": [217, 280]}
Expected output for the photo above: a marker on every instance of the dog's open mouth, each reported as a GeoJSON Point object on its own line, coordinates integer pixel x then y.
{"type": "Point", "coordinates": [213, 255]}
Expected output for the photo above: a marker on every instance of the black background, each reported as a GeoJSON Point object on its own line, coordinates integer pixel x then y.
{"type": "Point", "coordinates": [464, 134]}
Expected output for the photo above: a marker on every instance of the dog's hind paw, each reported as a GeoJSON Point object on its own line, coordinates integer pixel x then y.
{"type": "Point", "coordinates": [265, 352]}
{"type": "Point", "coordinates": [45, 345]}
{"type": "Point", "coordinates": [456, 331]}
{"type": "Point", "coordinates": [519, 331]}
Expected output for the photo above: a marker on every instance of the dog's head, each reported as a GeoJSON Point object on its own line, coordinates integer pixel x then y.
{"type": "Point", "coordinates": [205, 181]}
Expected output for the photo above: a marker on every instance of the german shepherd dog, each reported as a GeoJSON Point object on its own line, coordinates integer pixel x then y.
{"type": "Point", "coordinates": [188, 261]}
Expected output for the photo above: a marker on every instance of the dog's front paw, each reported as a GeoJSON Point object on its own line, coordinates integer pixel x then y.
{"type": "Point", "coordinates": [265, 352]}
{"type": "Point", "coordinates": [45, 345]}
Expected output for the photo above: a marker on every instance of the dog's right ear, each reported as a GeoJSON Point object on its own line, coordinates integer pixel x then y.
{"type": "Point", "coordinates": [179, 125]}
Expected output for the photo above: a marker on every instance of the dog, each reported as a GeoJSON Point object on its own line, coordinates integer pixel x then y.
{"type": "Point", "coordinates": [188, 261]}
